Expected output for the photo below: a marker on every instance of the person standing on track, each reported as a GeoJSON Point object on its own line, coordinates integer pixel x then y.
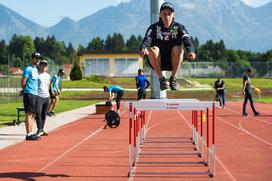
{"type": "Point", "coordinates": [55, 92]}
{"type": "Point", "coordinates": [29, 84]}
{"type": "Point", "coordinates": [141, 84]}
{"type": "Point", "coordinates": [219, 86]}
{"type": "Point", "coordinates": [163, 45]}
{"type": "Point", "coordinates": [247, 92]}
{"type": "Point", "coordinates": [43, 98]}
{"type": "Point", "coordinates": [115, 89]}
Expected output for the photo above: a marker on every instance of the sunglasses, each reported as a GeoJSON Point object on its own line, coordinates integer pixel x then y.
{"type": "Point", "coordinates": [43, 64]}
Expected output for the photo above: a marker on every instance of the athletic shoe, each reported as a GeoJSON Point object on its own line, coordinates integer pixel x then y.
{"type": "Point", "coordinates": [244, 114]}
{"type": "Point", "coordinates": [49, 114]}
{"type": "Point", "coordinates": [39, 133]}
{"type": "Point", "coordinates": [44, 134]}
{"type": "Point", "coordinates": [163, 83]}
{"type": "Point", "coordinates": [32, 137]}
{"type": "Point", "coordinates": [173, 83]}
{"type": "Point", "coordinates": [256, 114]}
{"type": "Point", "coordinates": [52, 113]}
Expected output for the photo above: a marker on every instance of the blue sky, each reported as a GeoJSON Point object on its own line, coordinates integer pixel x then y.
{"type": "Point", "coordinates": [49, 12]}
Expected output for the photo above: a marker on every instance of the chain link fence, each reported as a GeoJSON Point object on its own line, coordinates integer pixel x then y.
{"type": "Point", "coordinates": [10, 81]}
{"type": "Point", "coordinates": [10, 85]}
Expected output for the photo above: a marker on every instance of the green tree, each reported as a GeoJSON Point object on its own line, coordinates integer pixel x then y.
{"type": "Point", "coordinates": [3, 52]}
{"type": "Point", "coordinates": [54, 49]}
{"type": "Point", "coordinates": [116, 42]}
{"type": "Point", "coordinates": [96, 44]}
{"type": "Point", "coordinates": [132, 43]}
{"type": "Point", "coordinates": [76, 73]}
{"type": "Point", "coordinates": [21, 46]}
{"type": "Point", "coordinates": [108, 43]}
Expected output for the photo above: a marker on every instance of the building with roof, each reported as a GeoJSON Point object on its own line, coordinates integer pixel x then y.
{"type": "Point", "coordinates": [110, 63]}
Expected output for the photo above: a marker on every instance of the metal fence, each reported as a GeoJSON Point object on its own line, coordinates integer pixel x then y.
{"type": "Point", "coordinates": [10, 85]}
{"type": "Point", "coordinates": [227, 69]}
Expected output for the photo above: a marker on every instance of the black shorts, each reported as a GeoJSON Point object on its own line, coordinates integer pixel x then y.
{"type": "Point", "coordinates": [166, 61]}
{"type": "Point", "coordinates": [30, 102]}
{"type": "Point", "coordinates": [53, 94]}
{"type": "Point", "coordinates": [165, 57]}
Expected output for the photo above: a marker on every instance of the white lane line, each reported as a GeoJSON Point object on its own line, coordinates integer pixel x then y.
{"type": "Point", "coordinates": [70, 149]}
{"type": "Point", "coordinates": [254, 136]}
{"type": "Point", "coordinates": [255, 118]}
{"type": "Point", "coordinates": [133, 171]}
{"type": "Point", "coordinates": [73, 147]}
{"type": "Point", "coordinates": [216, 157]}
{"type": "Point", "coordinates": [245, 131]}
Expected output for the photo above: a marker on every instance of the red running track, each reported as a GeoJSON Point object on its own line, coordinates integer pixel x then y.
{"type": "Point", "coordinates": [82, 150]}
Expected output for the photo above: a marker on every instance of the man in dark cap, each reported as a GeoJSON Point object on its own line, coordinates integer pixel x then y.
{"type": "Point", "coordinates": [163, 46]}
{"type": "Point", "coordinates": [29, 84]}
{"type": "Point", "coordinates": [55, 92]}
{"type": "Point", "coordinates": [141, 84]}
{"type": "Point", "coordinates": [247, 92]}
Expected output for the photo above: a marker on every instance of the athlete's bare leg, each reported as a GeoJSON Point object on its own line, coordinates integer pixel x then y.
{"type": "Point", "coordinates": [154, 60]}
{"type": "Point", "coordinates": [177, 58]}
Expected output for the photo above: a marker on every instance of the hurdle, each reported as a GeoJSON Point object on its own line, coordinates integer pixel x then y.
{"type": "Point", "coordinates": [137, 115]}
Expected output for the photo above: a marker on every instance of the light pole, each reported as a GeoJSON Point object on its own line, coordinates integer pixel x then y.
{"type": "Point", "coordinates": [156, 92]}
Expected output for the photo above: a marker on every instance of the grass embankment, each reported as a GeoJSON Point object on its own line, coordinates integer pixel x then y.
{"type": "Point", "coordinates": [233, 89]}
{"type": "Point", "coordinates": [9, 112]}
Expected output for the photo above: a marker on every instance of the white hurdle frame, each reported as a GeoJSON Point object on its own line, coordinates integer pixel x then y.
{"type": "Point", "coordinates": [139, 108]}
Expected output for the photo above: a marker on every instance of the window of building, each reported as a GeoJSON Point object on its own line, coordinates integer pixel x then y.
{"type": "Point", "coordinates": [126, 66]}
{"type": "Point", "coordinates": [97, 66]}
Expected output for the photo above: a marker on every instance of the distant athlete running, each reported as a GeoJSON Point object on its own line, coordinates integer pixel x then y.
{"type": "Point", "coordinates": [163, 46]}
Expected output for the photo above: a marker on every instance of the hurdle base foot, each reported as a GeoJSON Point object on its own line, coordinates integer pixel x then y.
{"type": "Point", "coordinates": [211, 174]}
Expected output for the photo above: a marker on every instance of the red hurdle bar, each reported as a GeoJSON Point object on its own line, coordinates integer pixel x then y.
{"type": "Point", "coordinates": [201, 133]}
{"type": "Point", "coordinates": [196, 113]}
{"type": "Point", "coordinates": [130, 139]}
{"type": "Point", "coordinates": [208, 137]}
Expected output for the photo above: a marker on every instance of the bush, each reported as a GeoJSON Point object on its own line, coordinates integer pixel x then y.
{"type": "Point", "coordinates": [76, 73]}
{"type": "Point", "coordinates": [98, 79]}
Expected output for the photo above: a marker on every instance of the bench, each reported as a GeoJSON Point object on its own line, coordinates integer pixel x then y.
{"type": "Point", "coordinates": [102, 108]}
{"type": "Point", "coordinates": [19, 109]}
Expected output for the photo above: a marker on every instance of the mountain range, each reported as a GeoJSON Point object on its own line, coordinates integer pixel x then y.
{"type": "Point", "coordinates": [240, 26]}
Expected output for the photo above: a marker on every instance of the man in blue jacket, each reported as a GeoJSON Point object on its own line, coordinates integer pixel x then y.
{"type": "Point", "coordinates": [141, 84]}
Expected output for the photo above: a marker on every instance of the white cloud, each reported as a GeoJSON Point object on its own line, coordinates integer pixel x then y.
{"type": "Point", "coordinates": [255, 3]}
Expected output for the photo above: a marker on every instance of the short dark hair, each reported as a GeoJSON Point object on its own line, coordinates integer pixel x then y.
{"type": "Point", "coordinates": [61, 71]}
{"type": "Point", "coordinates": [249, 69]}
{"type": "Point", "coordinates": [105, 88]}
{"type": "Point", "coordinates": [140, 71]}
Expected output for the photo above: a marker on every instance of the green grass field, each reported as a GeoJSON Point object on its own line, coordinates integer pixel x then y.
{"type": "Point", "coordinates": [69, 100]}
{"type": "Point", "coordinates": [9, 112]}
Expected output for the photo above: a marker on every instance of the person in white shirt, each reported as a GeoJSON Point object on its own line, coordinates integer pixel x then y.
{"type": "Point", "coordinates": [43, 98]}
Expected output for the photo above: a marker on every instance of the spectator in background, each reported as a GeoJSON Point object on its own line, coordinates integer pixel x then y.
{"type": "Point", "coordinates": [115, 89]}
{"type": "Point", "coordinates": [141, 84]}
{"type": "Point", "coordinates": [55, 92]}
{"type": "Point", "coordinates": [43, 98]}
{"type": "Point", "coordinates": [219, 86]}
{"type": "Point", "coordinates": [29, 84]}
{"type": "Point", "coordinates": [247, 92]}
